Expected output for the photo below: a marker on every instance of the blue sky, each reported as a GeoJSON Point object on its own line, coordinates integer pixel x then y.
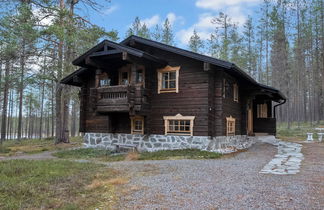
{"type": "Point", "coordinates": [185, 15]}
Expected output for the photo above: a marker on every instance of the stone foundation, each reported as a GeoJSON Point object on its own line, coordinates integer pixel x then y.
{"type": "Point", "coordinates": [150, 143]}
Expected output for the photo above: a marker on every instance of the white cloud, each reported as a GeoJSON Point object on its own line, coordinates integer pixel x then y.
{"type": "Point", "coordinates": [203, 27]}
{"type": "Point", "coordinates": [219, 4]}
{"type": "Point", "coordinates": [236, 14]}
{"type": "Point", "coordinates": [152, 21]}
{"type": "Point", "coordinates": [110, 10]}
{"type": "Point", "coordinates": [45, 17]}
{"type": "Point", "coordinates": [173, 18]}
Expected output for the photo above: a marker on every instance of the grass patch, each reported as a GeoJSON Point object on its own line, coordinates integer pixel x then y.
{"type": "Point", "coordinates": [297, 131]}
{"type": "Point", "coordinates": [32, 146]}
{"type": "Point", "coordinates": [178, 154]}
{"type": "Point", "coordinates": [104, 155]}
{"type": "Point", "coordinates": [56, 185]}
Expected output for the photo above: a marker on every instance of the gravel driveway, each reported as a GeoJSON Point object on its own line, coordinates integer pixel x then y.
{"type": "Point", "coordinates": [233, 182]}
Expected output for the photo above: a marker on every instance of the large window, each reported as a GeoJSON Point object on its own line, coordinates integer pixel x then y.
{"type": "Point", "coordinates": [168, 79]}
{"type": "Point", "coordinates": [179, 125]}
{"type": "Point", "coordinates": [230, 126]}
{"type": "Point", "coordinates": [262, 110]}
{"type": "Point", "coordinates": [137, 125]}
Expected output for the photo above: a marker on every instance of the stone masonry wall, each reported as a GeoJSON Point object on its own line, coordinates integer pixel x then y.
{"type": "Point", "coordinates": [150, 143]}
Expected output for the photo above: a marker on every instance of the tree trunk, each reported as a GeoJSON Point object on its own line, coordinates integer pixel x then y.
{"type": "Point", "coordinates": [5, 102]}
{"type": "Point", "coordinates": [21, 89]}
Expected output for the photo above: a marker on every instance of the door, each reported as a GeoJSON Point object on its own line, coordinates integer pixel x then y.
{"type": "Point", "coordinates": [124, 75]}
{"type": "Point", "coordinates": [250, 118]}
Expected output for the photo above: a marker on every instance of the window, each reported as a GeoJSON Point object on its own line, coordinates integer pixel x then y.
{"type": "Point", "coordinates": [262, 110]}
{"type": "Point", "coordinates": [230, 126]}
{"type": "Point", "coordinates": [137, 125]}
{"type": "Point", "coordinates": [104, 80]}
{"type": "Point", "coordinates": [178, 125]}
{"type": "Point", "coordinates": [227, 89]}
{"type": "Point", "coordinates": [236, 93]}
{"type": "Point", "coordinates": [140, 76]}
{"type": "Point", "coordinates": [168, 79]}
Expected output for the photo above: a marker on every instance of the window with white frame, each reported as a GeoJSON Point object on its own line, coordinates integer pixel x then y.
{"type": "Point", "coordinates": [168, 79]}
{"type": "Point", "coordinates": [179, 125]}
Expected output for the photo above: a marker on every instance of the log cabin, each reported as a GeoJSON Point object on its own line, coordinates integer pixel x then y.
{"type": "Point", "coordinates": [157, 96]}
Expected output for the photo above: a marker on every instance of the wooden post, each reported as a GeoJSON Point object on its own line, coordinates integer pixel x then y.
{"type": "Point", "coordinates": [133, 74]}
{"type": "Point", "coordinates": [98, 72]}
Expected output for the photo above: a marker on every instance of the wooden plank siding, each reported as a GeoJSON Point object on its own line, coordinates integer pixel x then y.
{"type": "Point", "coordinates": [192, 99]}
{"type": "Point", "coordinates": [232, 108]}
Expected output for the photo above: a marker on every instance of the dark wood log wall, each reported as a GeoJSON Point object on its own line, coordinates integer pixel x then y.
{"type": "Point", "coordinates": [192, 99]}
{"type": "Point", "coordinates": [232, 108]}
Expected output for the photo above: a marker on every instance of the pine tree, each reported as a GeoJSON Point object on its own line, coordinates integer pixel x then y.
{"type": "Point", "coordinates": [156, 34]}
{"type": "Point", "coordinates": [223, 25]}
{"type": "Point", "coordinates": [195, 43]}
{"type": "Point", "coordinates": [249, 52]}
{"type": "Point", "coordinates": [167, 34]}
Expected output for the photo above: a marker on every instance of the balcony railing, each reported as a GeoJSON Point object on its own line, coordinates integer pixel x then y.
{"type": "Point", "coordinates": [121, 98]}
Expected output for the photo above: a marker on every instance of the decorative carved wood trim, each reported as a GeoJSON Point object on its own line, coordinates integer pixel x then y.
{"type": "Point", "coordinates": [178, 117]}
{"type": "Point", "coordinates": [230, 126]}
{"type": "Point", "coordinates": [133, 120]}
{"type": "Point", "coordinates": [160, 79]}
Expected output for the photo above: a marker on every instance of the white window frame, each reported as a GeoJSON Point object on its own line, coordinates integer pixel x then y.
{"type": "Point", "coordinates": [178, 117]}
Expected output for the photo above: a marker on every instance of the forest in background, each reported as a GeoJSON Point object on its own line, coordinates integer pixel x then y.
{"type": "Point", "coordinates": [282, 47]}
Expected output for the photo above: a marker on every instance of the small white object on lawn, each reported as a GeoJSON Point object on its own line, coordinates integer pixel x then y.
{"type": "Point", "coordinates": [310, 137]}
{"type": "Point", "coordinates": [320, 136]}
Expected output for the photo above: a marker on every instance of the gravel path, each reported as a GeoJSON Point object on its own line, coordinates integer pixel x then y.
{"type": "Point", "coordinates": [233, 182]}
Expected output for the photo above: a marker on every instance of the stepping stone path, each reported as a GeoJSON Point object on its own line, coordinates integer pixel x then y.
{"type": "Point", "coordinates": [288, 159]}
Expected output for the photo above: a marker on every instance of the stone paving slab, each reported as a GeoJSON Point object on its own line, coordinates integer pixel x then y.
{"type": "Point", "coordinates": [288, 159]}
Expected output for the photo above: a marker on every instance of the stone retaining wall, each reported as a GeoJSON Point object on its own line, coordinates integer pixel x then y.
{"type": "Point", "coordinates": [221, 144]}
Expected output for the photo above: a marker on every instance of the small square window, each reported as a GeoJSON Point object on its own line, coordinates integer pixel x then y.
{"type": "Point", "coordinates": [137, 125]}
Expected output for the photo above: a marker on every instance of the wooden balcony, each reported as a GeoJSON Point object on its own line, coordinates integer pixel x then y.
{"type": "Point", "coordinates": [121, 98]}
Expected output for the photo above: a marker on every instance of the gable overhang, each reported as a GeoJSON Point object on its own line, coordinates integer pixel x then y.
{"type": "Point", "coordinates": [109, 49]}
{"type": "Point", "coordinates": [75, 78]}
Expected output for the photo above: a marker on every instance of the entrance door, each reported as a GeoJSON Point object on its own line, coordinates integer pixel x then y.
{"type": "Point", "coordinates": [250, 118]}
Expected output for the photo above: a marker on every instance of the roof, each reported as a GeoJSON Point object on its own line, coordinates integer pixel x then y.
{"type": "Point", "coordinates": [118, 48]}
{"type": "Point", "coordinates": [124, 47]}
